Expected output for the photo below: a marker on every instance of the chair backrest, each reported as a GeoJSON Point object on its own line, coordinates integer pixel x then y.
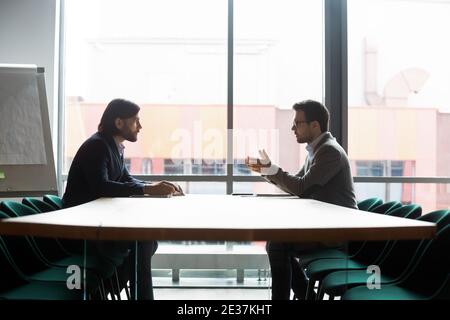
{"type": "Point", "coordinates": [10, 276]}
{"type": "Point", "coordinates": [386, 207]}
{"type": "Point", "coordinates": [443, 292]}
{"type": "Point", "coordinates": [374, 252]}
{"type": "Point", "coordinates": [46, 247]}
{"type": "Point", "coordinates": [37, 204]}
{"type": "Point", "coordinates": [440, 217]}
{"type": "Point", "coordinates": [410, 211]}
{"type": "Point", "coordinates": [355, 247]}
{"type": "Point", "coordinates": [22, 252]}
{"type": "Point", "coordinates": [368, 204]}
{"type": "Point", "coordinates": [401, 256]}
{"type": "Point", "coordinates": [54, 201]}
{"type": "Point", "coordinates": [432, 267]}
{"type": "Point", "coordinates": [3, 215]}
{"type": "Point", "coordinates": [16, 209]}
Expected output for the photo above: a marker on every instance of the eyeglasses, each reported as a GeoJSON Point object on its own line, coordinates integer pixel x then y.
{"type": "Point", "coordinates": [297, 123]}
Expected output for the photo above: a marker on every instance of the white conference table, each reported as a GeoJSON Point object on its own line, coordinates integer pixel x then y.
{"type": "Point", "coordinates": [215, 217]}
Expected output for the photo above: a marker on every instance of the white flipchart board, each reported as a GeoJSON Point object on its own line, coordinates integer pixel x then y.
{"type": "Point", "coordinates": [27, 166]}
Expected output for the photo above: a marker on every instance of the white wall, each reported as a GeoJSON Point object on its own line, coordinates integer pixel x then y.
{"type": "Point", "coordinates": [27, 36]}
{"type": "Point", "coordinates": [28, 30]}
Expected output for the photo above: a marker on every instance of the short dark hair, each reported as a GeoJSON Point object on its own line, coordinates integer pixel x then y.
{"type": "Point", "coordinates": [117, 108]}
{"type": "Point", "coordinates": [314, 111]}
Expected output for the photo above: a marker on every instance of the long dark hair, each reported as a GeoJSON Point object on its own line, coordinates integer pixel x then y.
{"type": "Point", "coordinates": [117, 108]}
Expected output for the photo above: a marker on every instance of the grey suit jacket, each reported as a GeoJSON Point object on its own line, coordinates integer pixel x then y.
{"type": "Point", "coordinates": [327, 177]}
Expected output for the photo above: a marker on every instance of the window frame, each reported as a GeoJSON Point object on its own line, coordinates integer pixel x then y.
{"type": "Point", "coordinates": [335, 95]}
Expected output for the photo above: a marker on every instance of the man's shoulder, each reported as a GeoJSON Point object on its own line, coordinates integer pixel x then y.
{"type": "Point", "coordinates": [330, 149]}
{"type": "Point", "coordinates": [96, 142]}
{"type": "Point", "coordinates": [331, 145]}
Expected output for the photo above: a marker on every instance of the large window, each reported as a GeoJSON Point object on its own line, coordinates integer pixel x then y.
{"type": "Point", "coordinates": [277, 62]}
{"type": "Point", "coordinates": [198, 69]}
{"type": "Point", "coordinates": [170, 57]}
{"type": "Point", "coordinates": [398, 97]}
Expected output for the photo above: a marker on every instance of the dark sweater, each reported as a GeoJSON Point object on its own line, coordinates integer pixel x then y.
{"type": "Point", "coordinates": [98, 170]}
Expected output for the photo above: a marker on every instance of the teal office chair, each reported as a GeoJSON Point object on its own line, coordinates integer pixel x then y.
{"type": "Point", "coordinates": [64, 245]}
{"type": "Point", "coordinates": [397, 262]}
{"type": "Point", "coordinates": [50, 252]}
{"type": "Point", "coordinates": [367, 204]}
{"type": "Point", "coordinates": [38, 205]}
{"type": "Point", "coordinates": [54, 201]}
{"type": "Point", "coordinates": [428, 279]}
{"type": "Point", "coordinates": [369, 254]}
{"type": "Point", "coordinates": [16, 285]}
{"type": "Point", "coordinates": [354, 246]}
{"type": "Point", "coordinates": [387, 207]}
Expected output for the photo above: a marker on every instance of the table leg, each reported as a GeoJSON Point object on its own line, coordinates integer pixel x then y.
{"type": "Point", "coordinates": [134, 268]}
{"type": "Point", "coordinates": [85, 291]}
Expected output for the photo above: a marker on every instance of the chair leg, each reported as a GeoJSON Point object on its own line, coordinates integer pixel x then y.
{"type": "Point", "coordinates": [113, 292]}
{"type": "Point", "coordinates": [320, 292]}
{"type": "Point", "coordinates": [93, 294]}
{"type": "Point", "coordinates": [102, 290]}
{"type": "Point", "coordinates": [118, 283]}
{"type": "Point", "coordinates": [310, 289]}
{"type": "Point", "coordinates": [127, 291]}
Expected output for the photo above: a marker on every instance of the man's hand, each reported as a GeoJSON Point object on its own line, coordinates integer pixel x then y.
{"type": "Point", "coordinates": [256, 164]}
{"type": "Point", "coordinates": [178, 190]}
{"type": "Point", "coordinates": [159, 189]}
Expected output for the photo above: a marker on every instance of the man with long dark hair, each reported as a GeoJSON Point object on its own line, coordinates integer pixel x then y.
{"type": "Point", "coordinates": [98, 170]}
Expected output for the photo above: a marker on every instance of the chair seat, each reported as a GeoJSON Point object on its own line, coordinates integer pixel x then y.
{"type": "Point", "coordinates": [386, 292]}
{"type": "Point", "coordinates": [56, 274]}
{"type": "Point", "coordinates": [336, 283]}
{"type": "Point", "coordinates": [306, 259]}
{"type": "Point", "coordinates": [42, 291]}
{"type": "Point", "coordinates": [100, 267]}
{"type": "Point", "coordinates": [320, 268]}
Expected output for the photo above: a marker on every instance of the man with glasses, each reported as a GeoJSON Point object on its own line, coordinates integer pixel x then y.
{"type": "Point", "coordinates": [325, 176]}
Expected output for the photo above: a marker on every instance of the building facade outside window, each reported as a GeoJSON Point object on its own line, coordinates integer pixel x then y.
{"type": "Point", "coordinates": [398, 97]}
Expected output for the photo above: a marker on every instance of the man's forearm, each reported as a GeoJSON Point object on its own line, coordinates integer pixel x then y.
{"type": "Point", "coordinates": [279, 181]}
